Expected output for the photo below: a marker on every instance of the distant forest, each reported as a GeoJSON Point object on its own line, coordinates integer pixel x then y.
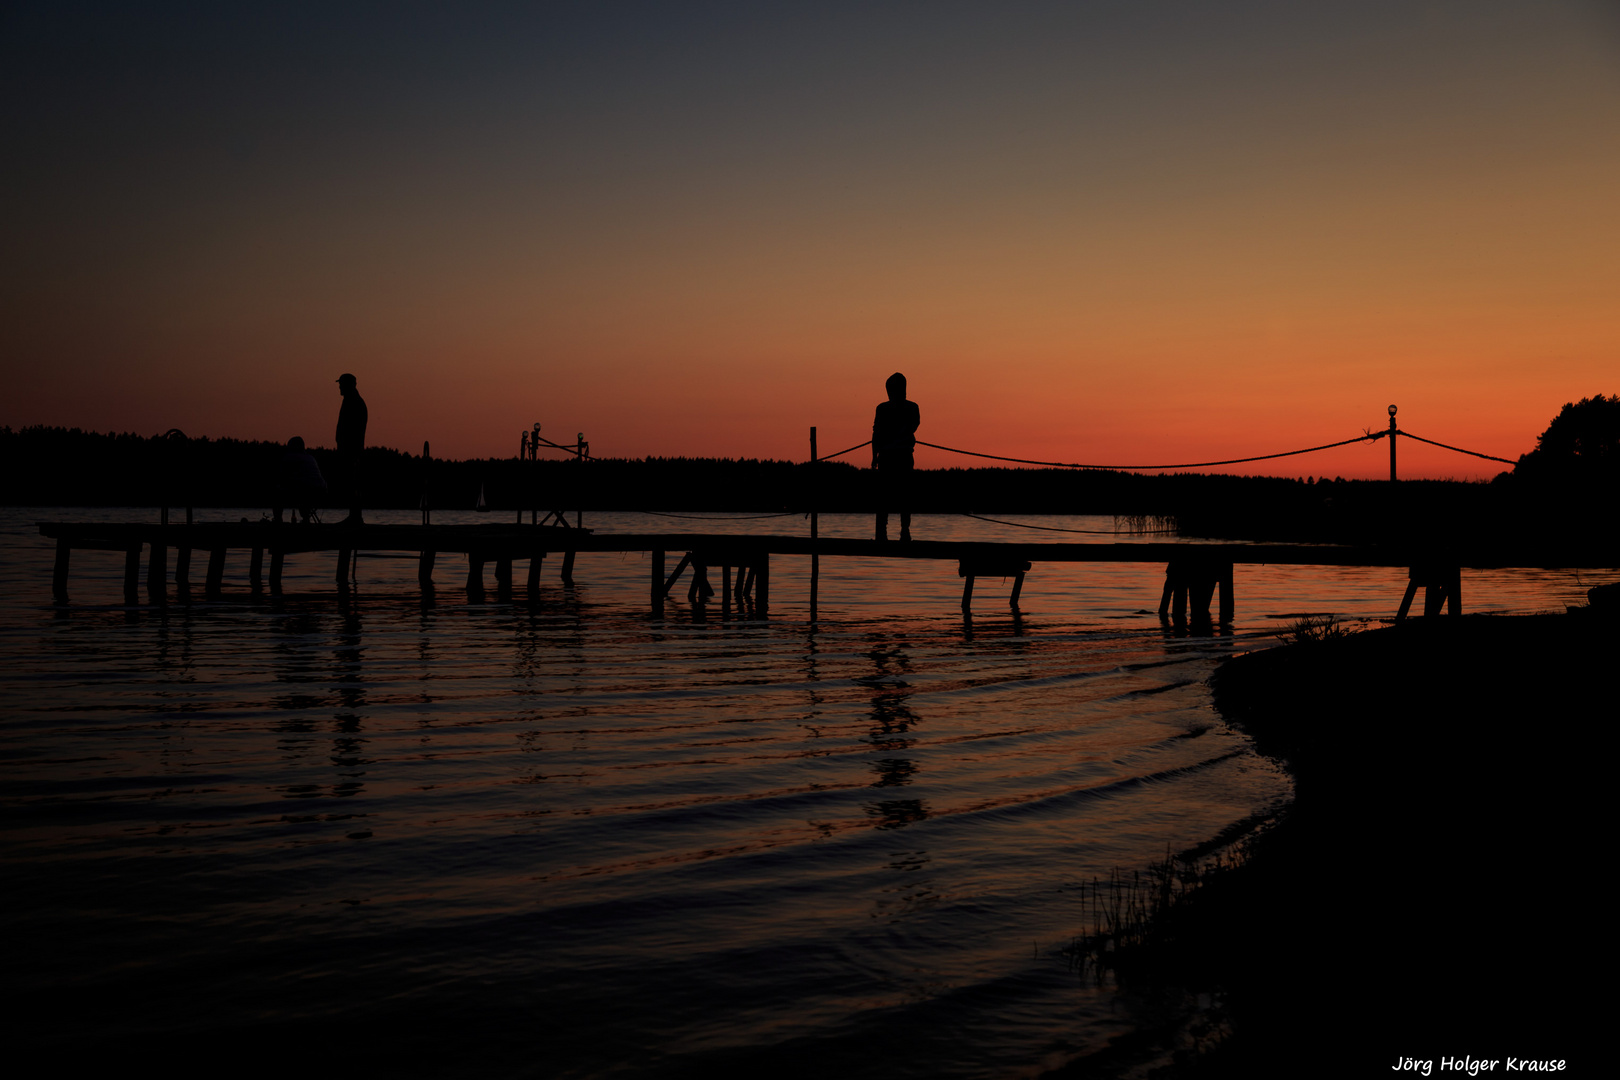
{"type": "Point", "coordinates": [50, 466]}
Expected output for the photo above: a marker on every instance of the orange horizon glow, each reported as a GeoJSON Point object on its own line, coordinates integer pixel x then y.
{"type": "Point", "coordinates": [1107, 243]}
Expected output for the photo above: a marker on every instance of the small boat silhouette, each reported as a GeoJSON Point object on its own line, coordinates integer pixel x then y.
{"type": "Point", "coordinates": [482, 507]}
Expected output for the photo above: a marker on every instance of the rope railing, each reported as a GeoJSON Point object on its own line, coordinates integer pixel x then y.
{"type": "Point", "coordinates": [1457, 449]}
{"type": "Point", "coordinates": [1054, 528]}
{"type": "Point", "coordinates": [841, 453]}
{"type": "Point", "coordinates": [1368, 437]}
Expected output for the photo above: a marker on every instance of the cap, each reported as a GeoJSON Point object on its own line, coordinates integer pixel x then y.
{"type": "Point", "coordinates": [346, 377]}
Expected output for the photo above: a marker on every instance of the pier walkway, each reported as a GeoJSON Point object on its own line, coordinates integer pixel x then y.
{"type": "Point", "coordinates": [1195, 572]}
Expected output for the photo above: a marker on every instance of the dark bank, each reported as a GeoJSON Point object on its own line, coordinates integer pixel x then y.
{"type": "Point", "coordinates": [1433, 886]}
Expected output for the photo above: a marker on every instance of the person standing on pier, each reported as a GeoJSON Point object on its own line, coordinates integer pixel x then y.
{"type": "Point", "coordinates": [894, 430]}
{"type": "Point", "coordinates": [351, 440]}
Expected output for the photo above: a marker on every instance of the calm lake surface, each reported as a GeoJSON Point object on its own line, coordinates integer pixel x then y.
{"type": "Point", "coordinates": [563, 837]}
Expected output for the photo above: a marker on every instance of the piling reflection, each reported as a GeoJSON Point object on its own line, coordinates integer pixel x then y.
{"type": "Point", "coordinates": [892, 720]}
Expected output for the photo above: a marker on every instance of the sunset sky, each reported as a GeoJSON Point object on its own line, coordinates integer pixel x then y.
{"type": "Point", "coordinates": [1125, 232]}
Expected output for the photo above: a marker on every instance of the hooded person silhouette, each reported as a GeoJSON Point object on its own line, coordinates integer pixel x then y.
{"type": "Point", "coordinates": [351, 440]}
{"type": "Point", "coordinates": [894, 429]}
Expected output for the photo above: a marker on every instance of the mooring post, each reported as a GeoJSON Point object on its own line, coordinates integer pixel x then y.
{"type": "Point", "coordinates": [132, 574]}
{"type": "Point", "coordinates": [59, 574]}
{"type": "Point", "coordinates": [815, 556]}
{"type": "Point", "coordinates": [658, 589]}
{"type": "Point", "coordinates": [278, 562]}
{"type": "Point", "coordinates": [256, 569]}
{"type": "Point", "coordinates": [213, 583]}
{"type": "Point", "coordinates": [1392, 434]}
{"type": "Point", "coordinates": [157, 572]}
{"type": "Point", "coordinates": [424, 567]}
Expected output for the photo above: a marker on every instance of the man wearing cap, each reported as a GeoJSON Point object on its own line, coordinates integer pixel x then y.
{"type": "Point", "coordinates": [351, 439]}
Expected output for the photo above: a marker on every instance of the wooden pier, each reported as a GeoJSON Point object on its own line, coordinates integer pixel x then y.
{"type": "Point", "coordinates": [1195, 572]}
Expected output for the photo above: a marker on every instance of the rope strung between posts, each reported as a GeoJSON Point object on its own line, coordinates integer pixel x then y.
{"type": "Point", "coordinates": [1458, 449]}
{"type": "Point", "coordinates": [1183, 465]}
{"type": "Point", "coordinates": [1053, 528]}
{"type": "Point", "coordinates": [718, 517]}
{"type": "Point", "coordinates": [841, 453]}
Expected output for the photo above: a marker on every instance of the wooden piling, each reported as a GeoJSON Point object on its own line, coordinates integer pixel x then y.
{"type": "Point", "coordinates": [1228, 601]}
{"type": "Point", "coordinates": [59, 574]}
{"type": "Point", "coordinates": [256, 569]}
{"type": "Point", "coordinates": [424, 561]}
{"type": "Point", "coordinates": [503, 573]}
{"type": "Point", "coordinates": [1018, 587]}
{"type": "Point", "coordinates": [536, 561]}
{"type": "Point", "coordinates": [157, 572]}
{"type": "Point", "coordinates": [658, 588]}
{"type": "Point", "coordinates": [132, 574]}
{"type": "Point", "coordinates": [475, 572]}
{"type": "Point", "coordinates": [345, 557]}
{"type": "Point", "coordinates": [762, 582]}
{"type": "Point", "coordinates": [214, 582]}
{"type": "Point", "coordinates": [278, 562]}
{"type": "Point", "coordinates": [568, 568]}
{"type": "Point", "coordinates": [182, 567]}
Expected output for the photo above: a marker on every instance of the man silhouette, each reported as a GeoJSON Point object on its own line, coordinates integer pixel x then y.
{"type": "Point", "coordinates": [351, 439]}
{"type": "Point", "coordinates": [894, 428]}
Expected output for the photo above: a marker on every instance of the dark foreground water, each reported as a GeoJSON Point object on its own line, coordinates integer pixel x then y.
{"type": "Point", "coordinates": [565, 838]}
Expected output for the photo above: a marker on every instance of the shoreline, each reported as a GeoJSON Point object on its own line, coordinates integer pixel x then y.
{"type": "Point", "coordinates": [1427, 894]}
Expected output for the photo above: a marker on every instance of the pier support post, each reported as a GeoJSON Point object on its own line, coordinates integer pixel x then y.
{"type": "Point", "coordinates": [213, 583]}
{"type": "Point", "coordinates": [475, 573]}
{"type": "Point", "coordinates": [568, 568]}
{"type": "Point", "coordinates": [1018, 587]}
{"type": "Point", "coordinates": [59, 574]}
{"type": "Point", "coordinates": [132, 575]}
{"type": "Point", "coordinates": [182, 567]}
{"type": "Point", "coordinates": [658, 588]}
{"type": "Point", "coordinates": [278, 562]}
{"type": "Point", "coordinates": [345, 557]}
{"type": "Point", "coordinates": [1442, 588]}
{"type": "Point", "coordinates": [157, 572]}
{"type": "Point", "coordinates": [256, 569]}
{"type": "Point", "coordinates": [1228, 602]}
{"type": "Point", "coordinates": [762, 582]}
{"type": "Point", "coordinates": [503, 574]}
{"type": "Point", "coordinates": [424, 569]}
{"type": "Point", "coordinates": [536, 561]}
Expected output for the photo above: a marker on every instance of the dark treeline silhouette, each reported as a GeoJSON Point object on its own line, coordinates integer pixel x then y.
{"type": "Point", "coordinates": [1566, 486]}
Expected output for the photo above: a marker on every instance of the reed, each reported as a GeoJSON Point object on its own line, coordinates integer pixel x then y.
{"type": "Point", "coordinates": [1132, 915]}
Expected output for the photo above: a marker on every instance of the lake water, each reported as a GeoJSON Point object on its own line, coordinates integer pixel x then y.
{"type": "Point", "coordinates": [563, 837]}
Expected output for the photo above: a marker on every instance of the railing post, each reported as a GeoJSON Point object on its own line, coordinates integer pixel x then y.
{"type": "Point", "coordinates": [815, 556]}
{"type": "Point", "coordinates": [1392, 434]}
